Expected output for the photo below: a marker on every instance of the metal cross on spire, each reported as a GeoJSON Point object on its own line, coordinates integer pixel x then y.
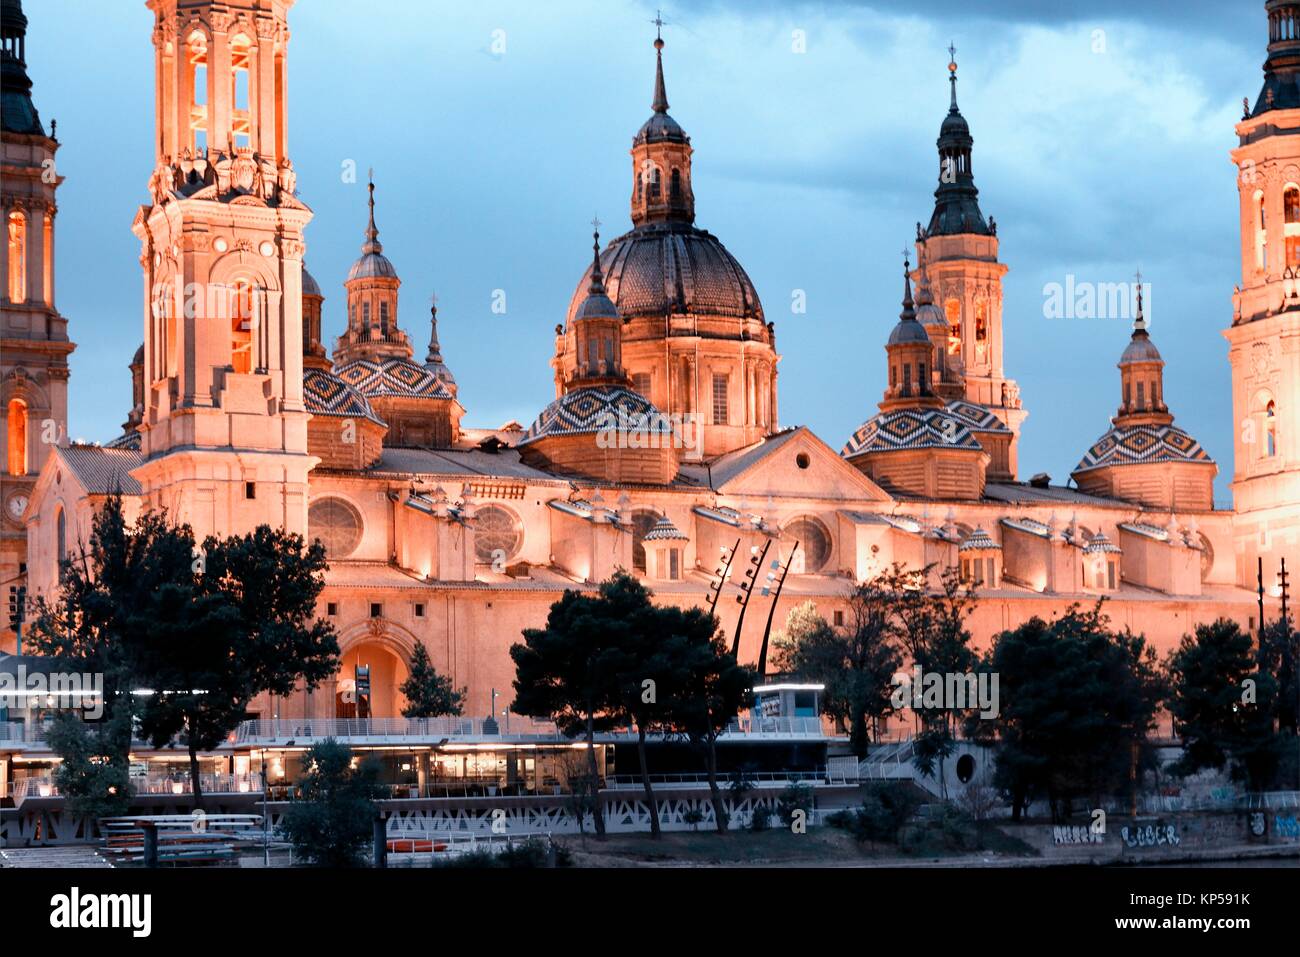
{"type": "Point", "coordinates": [658, 21]}
{"type": "Point", "coordinates": [596, 223]}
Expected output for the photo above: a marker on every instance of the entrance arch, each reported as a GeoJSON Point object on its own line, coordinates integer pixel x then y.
{"type": "Point", "coordinates": [387, 655]}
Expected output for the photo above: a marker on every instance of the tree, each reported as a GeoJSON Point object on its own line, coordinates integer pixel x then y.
{"type": "Point", "coordinates": [567, 672]}
{"type": "Point", "coordinates": [248, 600]}
{"type": "Point", "coordinates": [714, 690]}
{"type": "Point", "coordinates": [1224, 704]}
{"type": "Point", "coordinates": [205, 630]}
{"type": "Point", "coordinates": [1076, 704]}
{"type": "Point", "coordinates": [856, 666]}
{"type": "Point", "coordinates": [429, 694]}
{"type": "Point", "coordinates": [330, 820]}
{"type": "Point", "coordinates": [94, 776]}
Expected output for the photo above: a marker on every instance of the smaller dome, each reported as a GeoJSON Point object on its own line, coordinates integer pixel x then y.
{"type": "Point", "coordinates": [932, 316]}
{"type": "Point", "coordinates": [665, 530]}
{"type": "Point", "coordinates": [372, 265]}
{"type": "Point", "coordinates": [597, 305]}
{"type": "Point", "coordinates": [309, 285]}
{"type": "Point", "coordinates": [660, 127]}
{"type": "Point", "coordinates": [1140, 349]}
{"type": "Point", "coordinates": [906, 429]}
{"type": "Point", "coordinates": [392, 375]}
{"type": "Point", "coordinates": [1100, 543]}
{"type": "Point", "coordinates": [138, 358]}
{"type": "Point", "coordinates": [598, 408]}
{"type": "Point", "coordinates": [978, 540]}
{"type": "Point", "coordinates": [908, 330]}
{"type": "Point", "coordinates": [954, 124]}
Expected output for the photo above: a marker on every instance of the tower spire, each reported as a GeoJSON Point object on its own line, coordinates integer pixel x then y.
{"type": "Point", "coordinates": [597, 280]}
{"type": "Point", "coordinates": [952, 76]}
{"type": "Point", "coordinates": [1139, 321]}
{"type": "Point", "coordinates": [909, 312]}
{"type": "Point", "coordinates": [372, 244]}
{"type": "Point", "coordinates": [660, 104]}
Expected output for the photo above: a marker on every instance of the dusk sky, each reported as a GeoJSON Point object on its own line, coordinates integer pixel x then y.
{"type": "Point", "coordinates": [1096, 158]}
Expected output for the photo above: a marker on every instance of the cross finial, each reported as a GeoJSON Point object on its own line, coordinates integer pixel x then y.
{"type": "Point", "coordinates": [907, 258]}
{"type": "Point", "coordinates": [596, 224]}
{"type": "Point", "coordinates": [952, 52]}
{"type": "Point", "coordinates": [658, 21]}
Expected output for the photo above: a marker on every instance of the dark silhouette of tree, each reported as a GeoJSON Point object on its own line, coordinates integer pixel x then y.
{"type": "Point", "coordinates": [331, 818]}
{"type": "Point", "coordinates": [429, 694]}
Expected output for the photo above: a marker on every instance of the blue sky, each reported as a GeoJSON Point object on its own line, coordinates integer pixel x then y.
{"type": "Point", "coordinates": [812, 167]}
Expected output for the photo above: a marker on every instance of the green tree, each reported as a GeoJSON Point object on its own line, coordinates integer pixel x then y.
{"type": "Point", "coordinates": [713, 692]}
{"type": "Point", "coordinates": [330, 820]}
{"type": "Point", "coordinates": [429, 694]}
{"type": "Point", "coordinates": [855, 665]}
{"type": "Point", "coordinates": [568, 671]}
{"type": "Point", "coordinates": [1076, 704]}
{"type": "Point", "coordinates": [1224, 705]}
{"type": "Point", "coordinates": [94, 776]}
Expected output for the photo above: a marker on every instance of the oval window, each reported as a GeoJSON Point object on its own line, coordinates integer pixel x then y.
{"type": "Point", "coordinates": [814, 544]}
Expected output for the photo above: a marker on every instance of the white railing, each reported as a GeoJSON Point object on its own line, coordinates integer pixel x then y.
{"type": "Point", "coordinates": [44, 786]}
{"type": "Point", "coordinates": [620, 782]}
{"type": "Point", "coordinates": [283, 730]}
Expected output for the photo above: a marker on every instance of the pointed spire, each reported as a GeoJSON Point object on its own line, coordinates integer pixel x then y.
{"type": "Point", "coordinates": [434, 354]}
{"type": "Point", "coordinates": [952, 76]}
{"type": "Point", "coordinates": [372, 244]}
{"type": "Point", "coordinates": [597, 280]}
{"type": "Point", "coordinates": [908, 313]}
{"type": "Point", "coordinates": [661, 95]}
{"type": "Point", "coordinates": [1139, 322]}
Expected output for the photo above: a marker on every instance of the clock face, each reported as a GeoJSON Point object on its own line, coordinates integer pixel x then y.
{"type": "Point", "coordinates": [16, 505]}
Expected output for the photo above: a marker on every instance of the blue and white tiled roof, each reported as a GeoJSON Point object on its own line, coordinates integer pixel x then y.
{"type": "Point", "coordinates": [664, 530]}
{"type": "Point", "coordinates": [978, 418]}
{"type": "Point", "coordinates": [392, 375]}
{"type": "Point", "coordinates": [326, 394]}
{"type": "Point", "coordinates": [1141, 444]}
{"type": "Point", "coordinates": [903, 429]}
{"type": "Point", "coordinates": [597, 408]}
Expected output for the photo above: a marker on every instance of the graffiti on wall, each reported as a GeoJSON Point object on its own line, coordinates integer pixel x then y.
{"type": "Point", "coordinates": [1158, 834]}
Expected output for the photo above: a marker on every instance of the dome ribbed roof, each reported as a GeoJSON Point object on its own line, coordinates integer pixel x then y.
{"type": "Point", "coordinates": [326, 394]}
{"type": "Point", "coordinates": [1140, 349]}
{"type": "Point", "coordinates": [310, 287]}
{"type": "Point", "coordinates": [660, 269]}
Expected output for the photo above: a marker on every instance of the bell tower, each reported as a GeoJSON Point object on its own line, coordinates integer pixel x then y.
{"type": "Point", "coordinates": [960, 252]}
{"type": "Point", "coordinates": [224, 430]}
{"type": "Point", "coordinates": [1264, 337]}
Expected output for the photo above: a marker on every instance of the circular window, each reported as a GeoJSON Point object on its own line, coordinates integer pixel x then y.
{"type": "Point", "coordinates": [814, 544]}
{"type": "Point", "coordinates": [497, 535]}
{"type": "Point", "coordinates": [802, 460]}
{"type": "Point", "coordinates": [642, 522]}
{"type": "Point", "coordinates": [336, 525]}
{"type": "Point", "coordinates": [965, 768]}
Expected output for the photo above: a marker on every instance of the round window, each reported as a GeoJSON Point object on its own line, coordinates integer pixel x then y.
{"type": "Point", "coordinates": [965, 768]}
{"type": "Point", "coordinates": [814, 543]}
{"type": "Point", "coordinates": [336, 525]}
{"type": "Point", "coordinates": [497, 535]}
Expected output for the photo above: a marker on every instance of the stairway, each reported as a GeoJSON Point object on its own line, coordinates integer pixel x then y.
{"type": "Point", "coordinates": [79, 855]}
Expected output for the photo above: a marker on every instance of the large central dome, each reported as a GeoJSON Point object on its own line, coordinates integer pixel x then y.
{"type": "Point", "coordinates": [662, 269]}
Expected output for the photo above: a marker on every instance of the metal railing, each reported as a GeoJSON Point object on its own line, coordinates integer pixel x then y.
{"type": "Point", "coordinates": [619, 782]}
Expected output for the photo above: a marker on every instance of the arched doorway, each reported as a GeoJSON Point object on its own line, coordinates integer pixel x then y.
{"type": "Point", "coordinates": [387, 671]}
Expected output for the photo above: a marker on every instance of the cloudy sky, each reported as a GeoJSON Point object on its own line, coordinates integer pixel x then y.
{"type": "Point", "coordinates": [1101, 132]}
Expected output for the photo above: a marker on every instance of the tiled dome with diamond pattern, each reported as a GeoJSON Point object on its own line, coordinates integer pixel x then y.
{"type": "Point", "coordinates": [910, 429]}
{"type": "Point", "coordinates": [593, 408]}
{"type": "Point", "coordinates": [326, 394]}
{"type": "Point", "coordinates": [977, 417]}
{"type": "Point", "coordinates": [1141, 444]}
{"type": "Point", "coordinates": [392, 376]}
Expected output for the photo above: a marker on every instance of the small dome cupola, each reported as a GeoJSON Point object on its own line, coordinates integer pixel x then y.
{"type": "Point", "coordinates": [1141, 373]}
{"type": "Point", "coordinates": [956, 201]}
{"type": "Point", "coordinates": [313, 300]}
{"type": "Point", "coordinates": [17, 111]}
{"type": "Point", "coordinates": [372, 286]}
{"type": "Point", "coordinates": [661, 159]}
{"type": "Point", "coordinates": [598, 331]}
{"type": "Point", "coordinates": [910, 355]}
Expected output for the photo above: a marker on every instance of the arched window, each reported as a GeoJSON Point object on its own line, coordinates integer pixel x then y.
{"type": "Point", "coordinates": [17, 257]}
{"type": "Point", "coordinates": [61, 533]}
{"type": "Point", "coordinates": [655, 187]}
{"type": "Point", "coordinates": [952, 309]}
{"type": "Point", "coordinates": [981, 322]}
{"type": "Point", "coordinates": [241, 327]}
{"type": "Point", "coordinates": [17, 424]}
{"type": "Point", "coordinates": [1291, 204]}
{"type": "Point", "coordinates": [1270, 429]}
{"type": "Point", "coordinates": [1261, 234]}
{"type": "Point", "coordinates": [497, 535]}
{"type": "Point", "coordinates": [676, 184]}
{"type": "Point", "coordinates": [642, 522]}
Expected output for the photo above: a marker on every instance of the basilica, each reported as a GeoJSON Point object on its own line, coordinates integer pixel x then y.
{"type": "Point", "coordinates": [263, 394]}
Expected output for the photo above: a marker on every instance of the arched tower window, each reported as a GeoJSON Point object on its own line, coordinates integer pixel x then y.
{"type": "Point", "coordinates": [1270, 429]}
{"type": "Point", "coordinates": [1291, 223]}
{"type": "Point", "coordinates": [952, 309]}
{"type": "Point", "coordinates": [981, 322]}
{"type": "Point", "coordinates": [676, 187]}
{"type": "Point", "coordinates": [1261, 234]}
{"type": "Point", "coordinates": [198, 78]}
{"type": "Point", "coordinates": [17, 256]}
{"type": "Point", "coordinates": [240, 123]}
{"type": "Point", "coordinates": [241, 327]}
{"type": "Point", "coordinates": [654, 188]}
{"type": "Point", "coordinates": [17, 424]}
{"type": "Point", "coordinates": [61, 533]}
